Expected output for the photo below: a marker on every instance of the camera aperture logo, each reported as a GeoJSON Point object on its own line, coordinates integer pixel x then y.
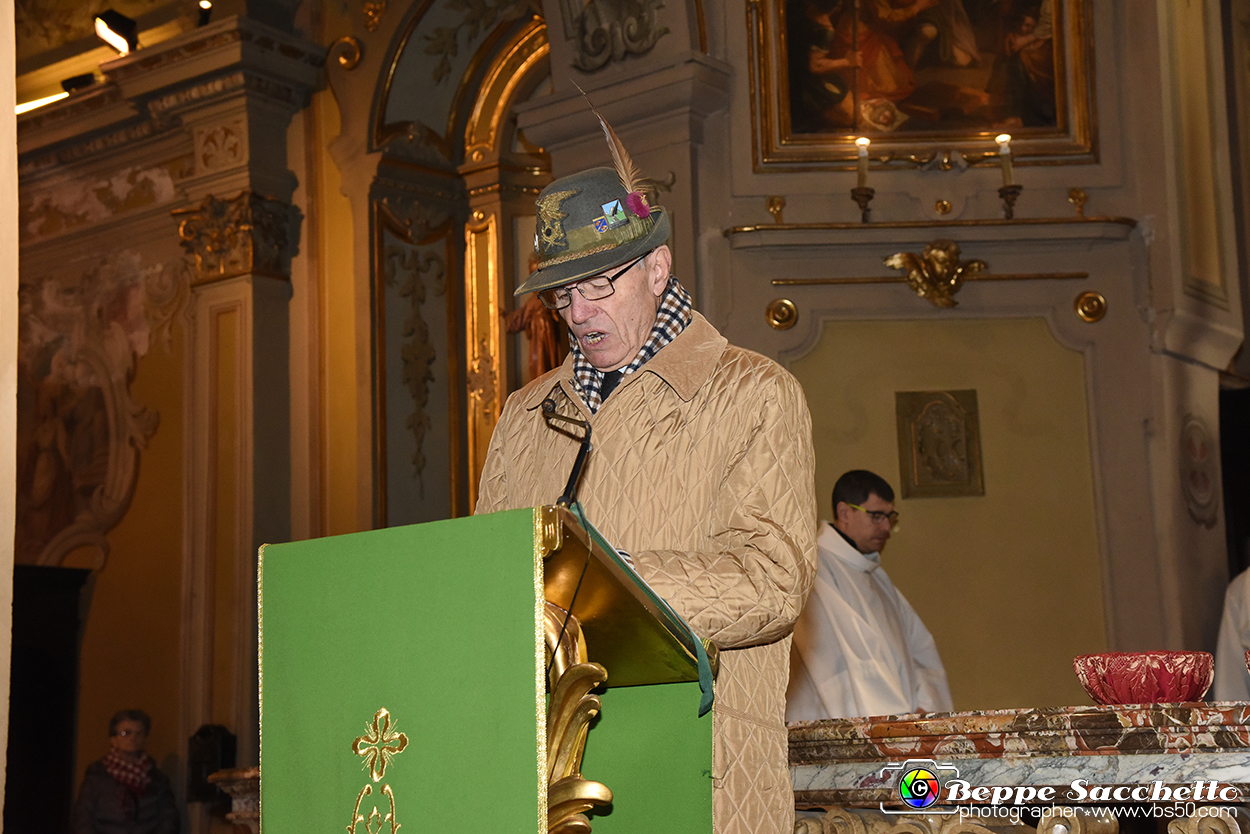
{"type": "Point", "coordinates": [919, 785]}
{"type": "Point", "coordinates": [927, 787]}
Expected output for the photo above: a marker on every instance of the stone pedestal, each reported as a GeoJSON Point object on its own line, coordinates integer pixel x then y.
{"type": "Point", "coordinates": [243, 786]}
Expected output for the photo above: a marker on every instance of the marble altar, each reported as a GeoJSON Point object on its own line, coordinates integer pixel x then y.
{"type": "Point", "coordinates": [1060, 770]}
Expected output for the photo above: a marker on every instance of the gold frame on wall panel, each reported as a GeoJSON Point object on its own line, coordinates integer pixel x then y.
{"type": "Point", "coordinates": [484, 344]}
{"type": "Point", "coordinates": [776, 146]}
{"type": "Point", "coordinates": [502, 183]}
{"type": "Point", "coordinates": [500, 82]}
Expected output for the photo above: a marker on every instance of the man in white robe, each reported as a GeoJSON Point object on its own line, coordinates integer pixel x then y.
{"type": "Point", "coordinates": [1232, 682]}
{"type": "Point", "coordinates": [859, 647]}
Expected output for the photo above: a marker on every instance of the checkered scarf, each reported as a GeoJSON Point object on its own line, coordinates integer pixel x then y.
{"type": "Point", "coordinates": [676, 311]}
{"type": "Point", "coordinates": [134, 777]}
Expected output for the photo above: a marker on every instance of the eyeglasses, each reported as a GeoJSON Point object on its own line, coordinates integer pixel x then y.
{"type": "Point", "coordinates": [592, 289]}
{"type": "Point", "coordinates": [876, 516]}
{"type": "Point", "coordinates": [128, 733]}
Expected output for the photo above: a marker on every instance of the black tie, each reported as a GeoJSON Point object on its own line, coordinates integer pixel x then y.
{"type": "Point", "coordinates": [611, 379]}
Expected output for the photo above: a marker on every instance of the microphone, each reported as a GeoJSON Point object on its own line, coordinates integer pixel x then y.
{"type": "Point", "coordinates": [570, 490]}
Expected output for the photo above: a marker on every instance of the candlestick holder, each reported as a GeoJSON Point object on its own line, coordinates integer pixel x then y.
{"type": "Point", "coordinates": [1008, 194]}
{"type": "Point", "coordinates": [863, 195]}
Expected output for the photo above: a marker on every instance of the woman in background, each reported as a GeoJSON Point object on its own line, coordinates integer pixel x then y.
{"type": "Point", "coordinates": [124, 792]}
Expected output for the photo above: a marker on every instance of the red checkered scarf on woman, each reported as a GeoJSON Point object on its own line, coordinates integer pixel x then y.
{"type": "Point", "coordinates": [674, 314]}
{"type": "Point", "coordinates": [134, 777]}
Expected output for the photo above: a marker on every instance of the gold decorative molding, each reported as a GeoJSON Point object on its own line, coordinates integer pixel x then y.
{"type": "Point", "coordinates": [550, 531]}
{"type": "Point", "coordinates": [569, 796]}
{"type": "Point", "coordinates": [483, 337]}
{"type": "Point", "coordinates": [936, 273]}
{"type": "Point", "coordinates": [349, 52]}
{"type": "Point", "coordinates": [781, 314]}
{"type": "Point", "coordinates": [1078, 198]}
{"type": "Point", "coordinates": [246, 235]}
{"type": "Point", "coordinates": [373, 9]}
{"type": "Point", "coordinates": [566, 646]}
{"type": "Point", "coordinates": [1090, 306]}
{"type": "Point", "coordinates": [510, 68]}
{"type": "Point", "coordinates": [776, 205]}
{"type": "Point", "coordinates": [899, 279]}
{"type": "Point", "coordinates": [926, 224]}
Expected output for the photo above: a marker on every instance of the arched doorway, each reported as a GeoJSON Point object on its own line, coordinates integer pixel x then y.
{"type": "Point", "coordinates": [451, 219]}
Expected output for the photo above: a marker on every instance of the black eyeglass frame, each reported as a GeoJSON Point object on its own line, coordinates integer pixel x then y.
{"type": "Point", "coordinates": [551, 300]}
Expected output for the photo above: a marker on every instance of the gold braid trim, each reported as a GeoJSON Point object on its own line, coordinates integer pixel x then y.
{"type": "Point", "coordinates": [585, 236]}
{"type": "Point", "coordinates": [572, 256]}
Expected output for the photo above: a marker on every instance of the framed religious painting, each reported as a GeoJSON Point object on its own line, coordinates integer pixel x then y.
{"type": "Point", "coordinates": [921, 79]}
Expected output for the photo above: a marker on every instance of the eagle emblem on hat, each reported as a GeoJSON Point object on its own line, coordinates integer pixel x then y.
{"type": "Point", "coordinates": [550, 219]}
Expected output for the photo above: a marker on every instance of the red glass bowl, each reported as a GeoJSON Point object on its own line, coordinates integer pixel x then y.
{"type": "Point", "coordinates": [1145, 677]}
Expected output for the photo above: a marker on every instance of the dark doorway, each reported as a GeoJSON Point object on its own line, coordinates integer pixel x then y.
{"type": "Point", "coordinates": [1235, 466]}
{"type": "Point", "coordinates": [43, 698]}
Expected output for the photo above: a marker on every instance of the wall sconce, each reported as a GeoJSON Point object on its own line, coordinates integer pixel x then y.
{"type": "Point", "coordinates": [118, 31]}
{"type": "Point", "coordinates": [206, 12]}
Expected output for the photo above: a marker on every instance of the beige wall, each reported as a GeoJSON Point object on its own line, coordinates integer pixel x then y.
{"type": "Point", "coordinates": [1010, 583]}
{"type": "Point", "coordinates": [131, 642]}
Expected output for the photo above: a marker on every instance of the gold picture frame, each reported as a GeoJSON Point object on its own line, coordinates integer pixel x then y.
{"type": "Point", "coordinates": [939, 443]}
{"type": "Point", "coordinates": [1027, 71]}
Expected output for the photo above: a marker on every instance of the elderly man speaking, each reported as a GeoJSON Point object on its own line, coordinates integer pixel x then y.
{"type": "Point", "coordinates": [701, 470]}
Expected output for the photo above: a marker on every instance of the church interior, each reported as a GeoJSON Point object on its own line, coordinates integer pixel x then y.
{"type": "Point", "coordinates": [267, 261]}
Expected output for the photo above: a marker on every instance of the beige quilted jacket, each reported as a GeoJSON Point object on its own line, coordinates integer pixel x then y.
{"type": "Point", "coordinates": [702, 471]}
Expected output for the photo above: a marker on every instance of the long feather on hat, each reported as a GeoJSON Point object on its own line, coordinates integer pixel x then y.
{"type": "Point", "coordinates": [632, 178]}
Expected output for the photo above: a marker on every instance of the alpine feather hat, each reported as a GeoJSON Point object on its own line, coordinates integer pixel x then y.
{"type": "Point", "coordinates": [588, 223]}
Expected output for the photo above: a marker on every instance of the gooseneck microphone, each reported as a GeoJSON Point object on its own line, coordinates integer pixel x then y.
{"type": "Point", "coordinates": [570, 490]}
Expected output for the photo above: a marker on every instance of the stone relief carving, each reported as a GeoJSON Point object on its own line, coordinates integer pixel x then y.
{"type": "Point", "coordinates": [609, 30]}
{"type": "Point", "coordinates": [479, 16]}
{"type": "Point", "coordinates": [221, 146]}
{"type": "Point", "coordinates": [939, 443]}
{"type": "Point", "coordinates": [1199, 477]}
{"type": "Point", "coordinates": [423, 272]}
{"type": "Point", "coordinates": [248, 234]}
{"type": "Point", "coordinates": [79, 431]}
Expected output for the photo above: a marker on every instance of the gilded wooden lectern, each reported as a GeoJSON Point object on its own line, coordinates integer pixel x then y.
{"type": "Point", "coordinates": [502, 673]}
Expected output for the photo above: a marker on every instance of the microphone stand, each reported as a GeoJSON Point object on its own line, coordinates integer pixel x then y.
{"type": "Point", "coordinates": [570, 490]}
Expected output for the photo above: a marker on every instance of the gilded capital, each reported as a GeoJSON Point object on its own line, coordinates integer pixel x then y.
{"type": "Point", "coordinates": [246, 235]}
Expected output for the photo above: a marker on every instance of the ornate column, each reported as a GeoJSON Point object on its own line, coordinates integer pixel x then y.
{"type": "Point", "coordinates": [231, 88]}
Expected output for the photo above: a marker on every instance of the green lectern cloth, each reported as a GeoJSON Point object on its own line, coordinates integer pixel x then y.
{"type": "Point", "coordinates": [440, 625]}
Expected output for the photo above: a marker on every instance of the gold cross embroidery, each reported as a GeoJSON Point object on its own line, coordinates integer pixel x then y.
{"type": "Point", "coordinates": [379, 744]}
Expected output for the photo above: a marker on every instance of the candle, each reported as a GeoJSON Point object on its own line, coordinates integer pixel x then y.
{"type": "Point", "coordinates": [1004, 156]}
{"type": "Point", "coordinates": [863, 142]}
